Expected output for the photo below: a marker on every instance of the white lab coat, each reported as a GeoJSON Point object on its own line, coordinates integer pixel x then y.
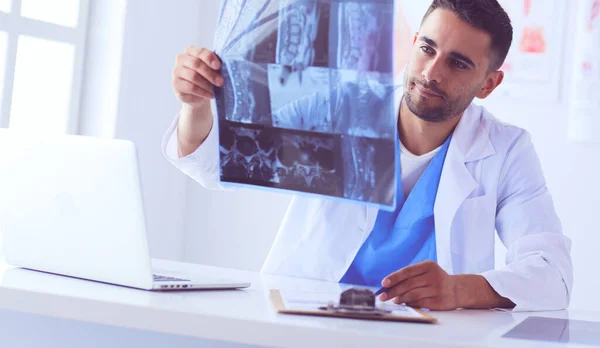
{"type": "Point", "coordinates": [491, 182]}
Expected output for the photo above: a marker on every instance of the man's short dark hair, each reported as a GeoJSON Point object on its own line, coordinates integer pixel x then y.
{"type": "Point", "coordinates": [486, 15]}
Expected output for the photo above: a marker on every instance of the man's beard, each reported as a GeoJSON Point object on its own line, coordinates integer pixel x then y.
{"type": "Point", "coordinates": [449, 108]}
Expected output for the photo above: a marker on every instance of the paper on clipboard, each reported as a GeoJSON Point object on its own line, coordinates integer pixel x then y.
{"type": "Point", "coordinates": [308, 303]}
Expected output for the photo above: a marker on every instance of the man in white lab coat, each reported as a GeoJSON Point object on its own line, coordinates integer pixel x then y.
{"type": "Point", "coordinates": [487, 177]}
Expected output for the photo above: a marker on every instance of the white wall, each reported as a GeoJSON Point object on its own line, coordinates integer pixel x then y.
{"type": "Point", "coordinates": [230, 229]}
{"type": "Point", "coordinates": [102, 68]}
{"type": "Point", "coordinates": [155, 32]}
{"type": "Point", "coordinates": [127, 94]}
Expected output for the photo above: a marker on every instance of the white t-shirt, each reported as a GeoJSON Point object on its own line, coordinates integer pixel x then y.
{"type": "Point", "coordinates": [412, 167]}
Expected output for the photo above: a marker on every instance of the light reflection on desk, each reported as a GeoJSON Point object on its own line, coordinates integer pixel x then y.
{"type": "Point", "coordinates": [559, 330]}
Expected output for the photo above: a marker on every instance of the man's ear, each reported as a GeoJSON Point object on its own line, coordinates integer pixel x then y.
{"type": "Point", "coordinates": [415, 38]}
{"type": "Point", "coordinates": [493, 80]}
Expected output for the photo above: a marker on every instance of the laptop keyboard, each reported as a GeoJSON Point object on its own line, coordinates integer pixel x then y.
{"type": "Point", "coordinates": [162, 278]}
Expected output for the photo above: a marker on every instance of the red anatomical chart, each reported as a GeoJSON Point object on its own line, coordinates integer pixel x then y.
{"type": "Point", "coordinates": [534, 58]}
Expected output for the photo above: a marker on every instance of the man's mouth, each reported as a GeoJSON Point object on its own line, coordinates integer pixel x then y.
{"type": "Point", "coordinates": [426, 92]}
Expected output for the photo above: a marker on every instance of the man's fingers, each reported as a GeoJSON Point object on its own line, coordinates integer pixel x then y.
{"type": "Point", "coordinates": [193, 50]}
{"type": "Point", "coordinates": [183, 87]}
{"type": "Point", "coordinates": [193, 77]}
{"type": "Point", "coordinates": [432, 303]}
{"type": "Point", "coordinates": [406, 273]}
{"type": "Point", "coordinates": [208, 57]}
{"type": "Point", "coordinates": [415, 295]}
{"type": "Point", "coordinates": [406, 286]}
{"type": "Point", "coordinates": [201, 68]}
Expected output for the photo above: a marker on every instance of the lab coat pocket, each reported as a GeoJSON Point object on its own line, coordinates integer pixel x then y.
{"type": "Point", "coordinates": [473, 233]}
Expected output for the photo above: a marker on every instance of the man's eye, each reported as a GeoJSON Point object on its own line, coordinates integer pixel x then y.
{"type": "Point", "coordinates": [426, 49]}
{"type": "Point", "coordinates": [459, 64]}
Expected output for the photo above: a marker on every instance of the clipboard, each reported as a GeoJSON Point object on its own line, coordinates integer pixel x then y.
{"type": "Point", "coordinates": [279, 305]}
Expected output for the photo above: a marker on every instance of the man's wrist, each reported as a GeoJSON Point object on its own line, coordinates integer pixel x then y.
{"type": "Point", "coordinates": [473, 291]}
{"type": "Point", "coordinates": [195, 123]}
{"type": "Point", "coordinates": [184, 147]}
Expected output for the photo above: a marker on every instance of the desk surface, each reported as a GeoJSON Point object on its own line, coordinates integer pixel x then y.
{"type": "Point", "coordinates": [247, 316]}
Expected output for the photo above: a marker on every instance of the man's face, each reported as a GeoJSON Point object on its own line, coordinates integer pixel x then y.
{"type": "Point", "coordinates": [448, 67]}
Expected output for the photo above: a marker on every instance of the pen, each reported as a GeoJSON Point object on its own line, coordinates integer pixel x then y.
{"type": "Point", "coordinates": [380, 291]}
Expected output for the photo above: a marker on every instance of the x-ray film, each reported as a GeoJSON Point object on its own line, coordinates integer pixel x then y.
{"type": "Point", "coordinates": [308, 104]}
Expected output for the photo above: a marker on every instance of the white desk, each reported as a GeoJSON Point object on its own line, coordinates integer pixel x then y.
{"type": "Point", "coordinates": [247, 317]}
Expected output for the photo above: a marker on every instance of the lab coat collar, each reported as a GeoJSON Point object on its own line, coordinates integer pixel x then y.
{"type": "Point", "coordinates": [471, 136]}
{"type": "Point", "coordinates": [470, 142]}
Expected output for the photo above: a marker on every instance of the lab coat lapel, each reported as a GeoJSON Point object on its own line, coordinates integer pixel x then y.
{"type": "Point", "coordinates": [470, 142]}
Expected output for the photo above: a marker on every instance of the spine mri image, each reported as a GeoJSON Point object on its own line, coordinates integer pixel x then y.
{"type": "Point", "coordinates": [309, 99]}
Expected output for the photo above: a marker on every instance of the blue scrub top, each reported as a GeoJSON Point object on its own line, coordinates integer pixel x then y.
{"type": "Point", "coordinates": [404, 236]}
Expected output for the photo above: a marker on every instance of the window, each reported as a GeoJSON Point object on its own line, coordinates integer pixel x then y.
{"type": "Point", "coordinates": [5, 5]}
{"type": "Point", "coordinates": [3, 47]}
{"type": "Point", "coordinates": [42, 45]}
{"type": "Point", "coordinates": [60, 12]}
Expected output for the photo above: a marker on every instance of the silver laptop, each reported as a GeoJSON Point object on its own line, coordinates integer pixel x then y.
{"type": "Point", "coordinates": [72, 205]}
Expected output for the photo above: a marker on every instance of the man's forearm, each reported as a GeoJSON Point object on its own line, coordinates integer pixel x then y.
{"type": "Point", "coordinates": [474, 292]}
{"type": "Point", "coordinates": [193, 128]}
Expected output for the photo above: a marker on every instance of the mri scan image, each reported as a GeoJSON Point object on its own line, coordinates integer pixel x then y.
{"type": "Point", "coordinates": [368, 176]}
{"type": "Point", "coordinates": [299, 99]}
{"type": "Point", "coordinates": [363, 28]}
{"type": "Point", "coordinates": [286, 159]}
{"type": "Point", "coordinates": [245, 95]}
{"type": "Point", "coordinates": [308, 104]}
{"type": "Point", "coordinates": [303, 33]}
{"type": "Point", "coordinates": [247, 30]}
{"type": "Point", "coordinates": [360, 104]}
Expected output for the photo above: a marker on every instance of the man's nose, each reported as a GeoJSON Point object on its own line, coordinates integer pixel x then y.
{"type": "Point", "coordinates": [434, 71]}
